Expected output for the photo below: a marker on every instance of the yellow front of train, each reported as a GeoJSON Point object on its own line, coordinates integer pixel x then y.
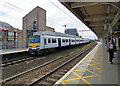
{"type": "Point", "coordinates": [34, 44]}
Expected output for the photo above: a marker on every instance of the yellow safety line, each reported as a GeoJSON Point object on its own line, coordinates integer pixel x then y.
{"type": "Point", "coordinates": [99, 80]}
{"type": "Point", "coordinates": [63, 83]}
{"type": "Point", "coordinates": [83, 79]}
{"type": "Point", "coordinates": [89, 70]}
{"type": "Point", "coordinates": [12, 51]}
{"type": "Point", "coordinates": [94, 67]}
{"type": "Point", "coordinates": [87, 82]}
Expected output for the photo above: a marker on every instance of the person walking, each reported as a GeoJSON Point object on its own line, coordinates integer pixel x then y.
{"type": "Point", "coordinates": [111, 51]}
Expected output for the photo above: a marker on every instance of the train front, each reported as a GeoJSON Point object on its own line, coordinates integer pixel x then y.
{"type": "Point", "coordinates": [34, 44]}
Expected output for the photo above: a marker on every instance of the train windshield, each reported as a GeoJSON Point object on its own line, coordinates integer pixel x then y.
{"type": "Point", "coordinates": [34, 39]}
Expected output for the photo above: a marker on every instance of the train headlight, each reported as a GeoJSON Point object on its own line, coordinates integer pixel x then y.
{"type": "Point", "coordinates": [37, 46]}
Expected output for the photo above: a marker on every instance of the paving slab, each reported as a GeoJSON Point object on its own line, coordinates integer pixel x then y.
{"type": "Point", "coordinates": [93, 70]}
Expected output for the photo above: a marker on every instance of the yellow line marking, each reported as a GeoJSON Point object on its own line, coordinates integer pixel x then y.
{"type": "Point", "coordinates": [94, 67]}
{"type": "Point", "coordinates": [100, 70]}
{"type": "Point", "coordinates": [87, 82]}
{"type": "Point", "coordinates": [85, 63]}
{"type": "Point", "coordinates": [63, 83]}
{"type": "Point", "coordinates": [76, 74]}
{"type": "Point", "coordinates": [13, 51]}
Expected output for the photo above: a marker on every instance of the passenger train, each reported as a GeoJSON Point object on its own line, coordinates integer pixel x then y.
{"type": "Point", "coordinates": [42, 41]}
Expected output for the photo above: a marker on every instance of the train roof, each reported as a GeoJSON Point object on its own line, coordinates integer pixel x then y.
{"type": "Point", "coordinates": [49, 33]}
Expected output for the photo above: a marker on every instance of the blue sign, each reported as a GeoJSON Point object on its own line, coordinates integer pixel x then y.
{"type": "Point", "coordinates": [34, 25]}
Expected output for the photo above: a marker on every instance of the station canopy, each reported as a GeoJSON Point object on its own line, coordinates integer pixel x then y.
{"type": "Point", "coordinates": [98, 16]}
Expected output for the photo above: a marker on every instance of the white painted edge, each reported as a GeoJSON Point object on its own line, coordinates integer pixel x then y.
{"type": "Point", "coordinates": [68, 73]}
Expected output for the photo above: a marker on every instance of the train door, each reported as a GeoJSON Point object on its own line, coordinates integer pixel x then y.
{"type": "Point", "coordinates": [69, 42]}
{"type": "Point", "coordinates": [59, 42]}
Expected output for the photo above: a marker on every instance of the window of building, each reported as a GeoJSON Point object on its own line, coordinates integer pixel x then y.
{"type": "Point", "coordinates": [16, 34]}
{"type": "Point", "coordinates": [49, 40]}
{"type": "Point", "coordinates": [16, 40]}
{"type": "Point", "coordinates": [1, 33]}
{"type": "Point", "coordinates": [0, 40]}
{"type": "Point", "coordinates": [53, 40]}
{"type": "Point", "coordinates": [11, 33]}
{"type": "Point", "coordinates": [10, 40]}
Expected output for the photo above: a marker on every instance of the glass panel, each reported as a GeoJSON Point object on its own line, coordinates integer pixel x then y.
{"type": "Point", "coordinates": [49, 40]}
{"type": "Point", "coordinates": [34, 39]}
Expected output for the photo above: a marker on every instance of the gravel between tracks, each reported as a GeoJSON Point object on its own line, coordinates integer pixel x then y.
{"type": "Point", "coordinates": [11, 70]}
{"type": "Point", "coordinates": [33, 75]}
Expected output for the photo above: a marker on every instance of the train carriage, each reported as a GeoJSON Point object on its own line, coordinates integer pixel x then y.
{"type": "Point", "coordinates": [47, 40]}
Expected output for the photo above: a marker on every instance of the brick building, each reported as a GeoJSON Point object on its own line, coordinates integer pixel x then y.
{"type": "Point", "coordinates": [35, 20]}
{"type": "Point", "coordinates": [8, 36]}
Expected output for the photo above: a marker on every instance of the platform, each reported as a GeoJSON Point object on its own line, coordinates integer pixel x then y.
{"type": "Point", "coordinates": [9, 51]}
{"type": "Point", "coordinates": [93, 70]}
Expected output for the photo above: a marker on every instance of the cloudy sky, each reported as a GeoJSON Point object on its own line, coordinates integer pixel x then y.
{"type": "Point", "coordinates": [12, 11]}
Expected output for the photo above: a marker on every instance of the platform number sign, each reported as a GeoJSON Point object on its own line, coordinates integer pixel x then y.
{"type": "Point", "coordinates": [34, 25]}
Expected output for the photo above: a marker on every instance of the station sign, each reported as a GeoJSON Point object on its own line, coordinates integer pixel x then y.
{"type": "Point", "coordinates": [116, 32]}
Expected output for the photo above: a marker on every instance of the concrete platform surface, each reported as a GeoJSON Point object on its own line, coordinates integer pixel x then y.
{"type": "Point", "coordinates": [93, 70]}
{"type": "Point", "coordinates": [9, 51]}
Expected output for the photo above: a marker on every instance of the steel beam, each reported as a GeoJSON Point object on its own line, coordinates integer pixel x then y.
{"type": "Point", "coordinates": [96, 25]}
{"type": "Point", "coordinates": [116, 18]}
{"type": "Point", "coordinates": [82, 4]}
{"type": "Point", "coordinates": [96, 18]}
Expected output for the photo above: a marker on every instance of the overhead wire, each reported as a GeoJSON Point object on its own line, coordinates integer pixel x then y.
{"type": "Point", "coordinates": [13, 7]}
{"type": "Point", "coordinates": [61, 10]}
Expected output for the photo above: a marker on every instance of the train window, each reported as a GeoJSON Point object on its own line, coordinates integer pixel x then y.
{"type": "Point", "coordinates": [66, 40]}
{"type": "Point", "coordinates": [73, 41]}
{"type": "Point", "coordinates": [53, 40]}
{"type": "Point", "coordinates": [34, 39]}
{"type": "Point", "coordinates": [45, 41]}
{"type": "Point", "coordinates": [49, 40]}
{"type": "Point", "coordinates": [63, 40]}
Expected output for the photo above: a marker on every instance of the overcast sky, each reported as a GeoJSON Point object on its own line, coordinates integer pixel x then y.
{"type": "Point", "coordinates": [12, 11]}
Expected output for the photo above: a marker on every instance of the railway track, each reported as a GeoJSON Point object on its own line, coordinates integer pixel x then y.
{"type": "Point", "coordinates": [14, 58]}
{"type": "Point", "coordinates": [44, 73]}
{"type": "Point", "coordinates": [16, 68]}
{"type": "Point", "coordinates": [21, 58]}
{"type": "Point", "coordinates": [15, 61]}
{"type": "Point", "coordinates": [51, 77]}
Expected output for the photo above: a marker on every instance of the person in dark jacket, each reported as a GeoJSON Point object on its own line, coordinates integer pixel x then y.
{"type": "Point", "coordinates": [111, 51]}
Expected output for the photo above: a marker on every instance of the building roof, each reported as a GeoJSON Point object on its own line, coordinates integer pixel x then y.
{"type": "Point", "coordinates": [6, 26]}
{"type": "Point", "coordinates": [96, 15]}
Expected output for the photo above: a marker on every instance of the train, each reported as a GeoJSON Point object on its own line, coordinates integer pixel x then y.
{"type": "Point", "coordinates": [43, 41]}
